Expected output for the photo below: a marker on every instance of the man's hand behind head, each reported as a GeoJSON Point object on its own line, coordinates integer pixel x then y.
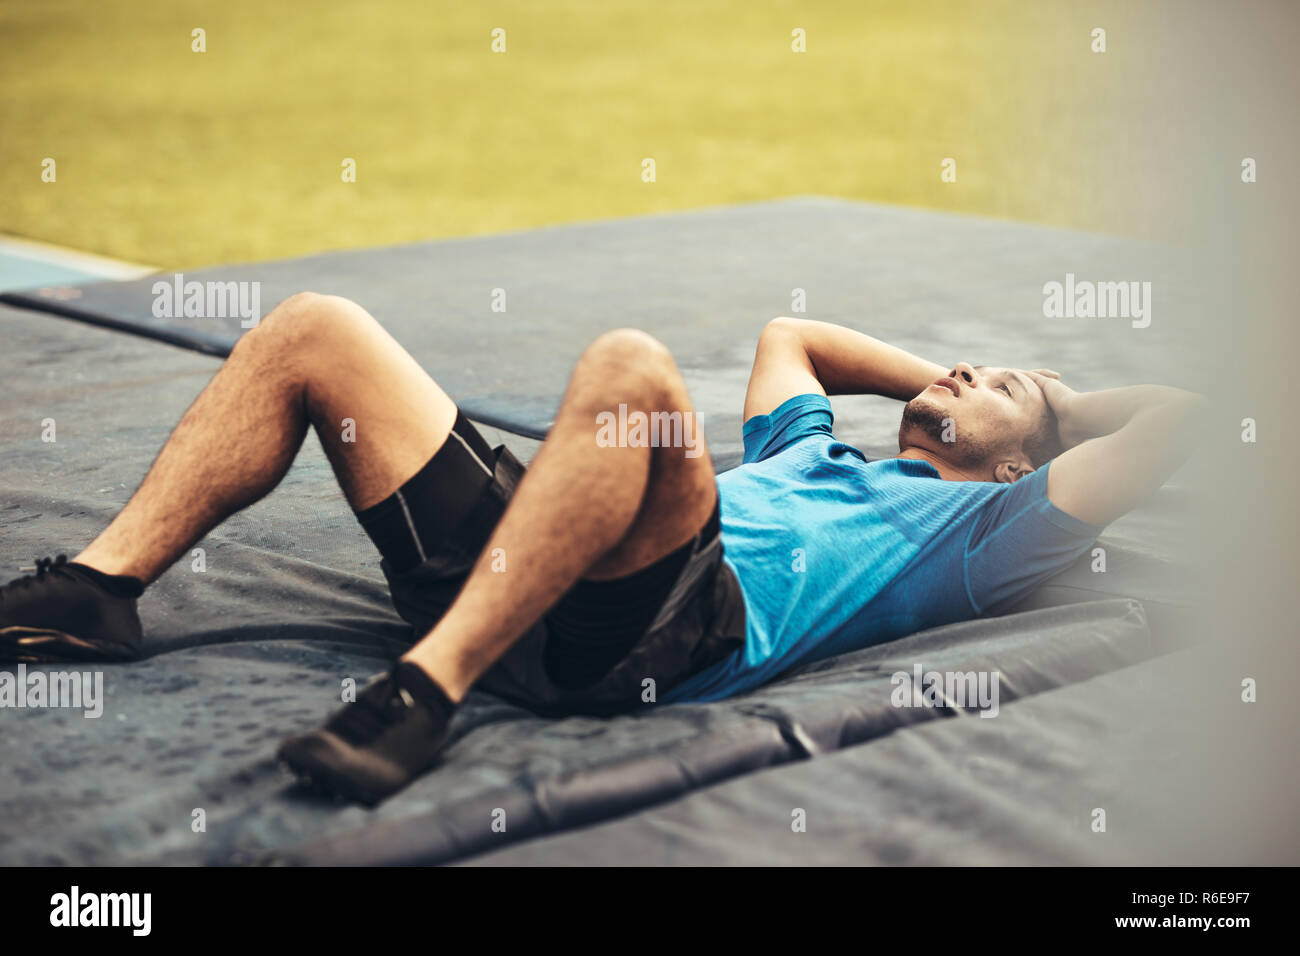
{"type": "Point", "coordinates": [1061, 400]}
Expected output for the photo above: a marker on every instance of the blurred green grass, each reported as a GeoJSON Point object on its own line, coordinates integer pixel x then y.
{"type": "Point", "coordinates": [182, 159]}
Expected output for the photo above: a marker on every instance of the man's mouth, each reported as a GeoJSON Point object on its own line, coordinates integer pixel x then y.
{"type": "Point", "coordinates": [950, 384]}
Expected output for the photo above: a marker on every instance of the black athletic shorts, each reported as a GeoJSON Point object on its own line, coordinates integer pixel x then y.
{"type": "Point", "coordinates": [594, 650]}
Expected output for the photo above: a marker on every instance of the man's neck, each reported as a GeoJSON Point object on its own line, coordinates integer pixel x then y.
{"type": "Point", "coordinates": [947, 471]}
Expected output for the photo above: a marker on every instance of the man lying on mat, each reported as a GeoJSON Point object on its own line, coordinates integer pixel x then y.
{"type": "Point", "coordinates": [620, 574]}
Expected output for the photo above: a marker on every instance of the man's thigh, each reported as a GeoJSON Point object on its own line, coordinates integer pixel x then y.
{"type": "Point", "coordinates": [379, 415]}
{"type": "Point", "coordinates": [681, 492]}
{"type": "Point", "coordinates": [680, 611]}
{"type": "Point", "coordinates": [594, 652]}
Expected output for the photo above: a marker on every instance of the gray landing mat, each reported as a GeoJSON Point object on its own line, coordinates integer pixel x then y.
{"type": "Point", "coordinates": [945, 286]}
{"type": "Point", "coordinates": [705, 282]}
{"type": "Point", "coordinates": [1018, 789]}
{"type": "Point", "coordinates": [195, 729]}
{"type": "Point", "coordinates": [836, 703]}
{"type": "Point", "coordinates": [112, 400]}
{"type": "Point", "coordinates": [291, 604]}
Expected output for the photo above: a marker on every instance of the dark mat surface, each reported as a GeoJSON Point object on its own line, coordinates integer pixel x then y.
{"type": "Point", "coordinates": [114, 399]}
{"type": "Point", "coordinates": [838, 702]}
{"type": "Point", "coordinates": [705, 282]}
{"type": "Point", "coordinates": [195, 729]}
{"type": "Point", "coordinates": [1018, 790]}
{"type": "Point", "coordinates": [947, 287]}
{"type": "Point", "coordinates": [292, 604]}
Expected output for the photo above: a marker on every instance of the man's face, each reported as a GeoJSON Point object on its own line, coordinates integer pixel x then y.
{"type": "Point", "coordinates": [974, 416]}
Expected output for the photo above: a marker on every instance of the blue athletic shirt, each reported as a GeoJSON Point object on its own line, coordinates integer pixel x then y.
{"type": "Point", "coordinates": [835, 553]}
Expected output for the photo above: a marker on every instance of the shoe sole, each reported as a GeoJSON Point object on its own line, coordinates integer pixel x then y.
{"type": "Point", "coordinates": [40, 645]}
{"type": "Point", "coordinates": [323, 779]}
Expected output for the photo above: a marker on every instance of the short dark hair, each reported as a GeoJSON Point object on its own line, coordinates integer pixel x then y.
{"type": "Point", "coordinates": [1044, 443]}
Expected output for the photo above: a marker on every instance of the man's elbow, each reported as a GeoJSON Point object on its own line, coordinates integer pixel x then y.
{"type": "Point", "coordinates": [1180, 409]}
{"type": "Point", "coordinates": [1192, 407]}
{"type": "Point", "coordinates": [1185, 417]}
{"type": "Point", "coordinates": [1194, 401]}
{"type": "Point", "coordinates": [783, 325]}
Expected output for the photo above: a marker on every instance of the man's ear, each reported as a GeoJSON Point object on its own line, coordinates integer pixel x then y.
{"type": "Point", "coordinates": [1010, 470]}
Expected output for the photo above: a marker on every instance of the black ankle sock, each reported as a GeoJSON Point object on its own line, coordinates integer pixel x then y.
{"type": "Point", "coordinates": [118, 585]}
{"type": "Point", "coordinates": [424, 688]}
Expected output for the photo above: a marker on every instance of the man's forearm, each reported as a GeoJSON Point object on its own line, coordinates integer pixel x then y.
{"type": "Point", "coordinates": [851, 363]}
{"type": "Point", "coordinates": [1093, 414]}
{"type": "Point", "coordinates": [1121, 445]}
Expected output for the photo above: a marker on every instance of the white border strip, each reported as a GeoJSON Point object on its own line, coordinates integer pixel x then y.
{"type": "Point", "coordinates": [72, 259]}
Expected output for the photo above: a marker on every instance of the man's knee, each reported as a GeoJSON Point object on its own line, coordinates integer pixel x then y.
{"type": "Point", "coordinates": [628, 346]}
{"type": "Point", "coordinates": [306, 322]}
{"type": "Point", "coordinates": [629, 361]}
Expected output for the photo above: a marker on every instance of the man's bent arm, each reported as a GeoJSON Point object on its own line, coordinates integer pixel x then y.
{"type": "Point", "coordinates": [1122, 444]}
{"type": "Point", "coordinates": [799, 356]}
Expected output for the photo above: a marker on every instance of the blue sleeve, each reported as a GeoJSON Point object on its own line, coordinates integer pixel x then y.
{"type": "Point", "coordinates": [1019, 540]}
{"type": "Point", "coordinates": [794, 419]}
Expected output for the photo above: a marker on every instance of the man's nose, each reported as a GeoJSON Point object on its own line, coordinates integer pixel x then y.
{"type": "Point", "coordinates": [965, 373]}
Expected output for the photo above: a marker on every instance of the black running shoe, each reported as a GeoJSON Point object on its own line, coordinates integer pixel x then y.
{"type": "Point", "coordinates": [374, 747]}
{"type": "Point", "coordinates": [67, 612]}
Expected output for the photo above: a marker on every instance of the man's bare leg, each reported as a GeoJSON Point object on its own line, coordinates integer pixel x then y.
{"type": "Point", "coordinates": [581, 510]}
{"type": "Point", "coordinates": [314, 360]}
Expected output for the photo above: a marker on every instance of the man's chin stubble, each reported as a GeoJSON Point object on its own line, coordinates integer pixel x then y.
{"type": "Point", "coordinates": [923, 418]}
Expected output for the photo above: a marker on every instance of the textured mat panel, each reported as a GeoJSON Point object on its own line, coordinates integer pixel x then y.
{"type": "Point", "coordinates": [947, 287]}
{"type": "Point", "coordinates": [291, 603]}
{"type": "Point", "coordinates": [297, 561]}
{"type": "Point", "coordinates": [842, 701]}
{"type": "Point", "coordinates": [1018, 789]}
{"type": "Point", "coordinates": [196, 729]}
{"type": "Point", "coordinates": [257, 647]}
